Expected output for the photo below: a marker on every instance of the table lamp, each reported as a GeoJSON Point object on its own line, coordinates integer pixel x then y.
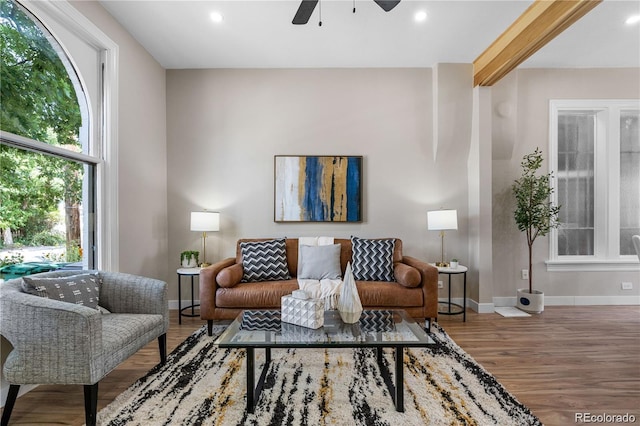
{"type": "Point", "coordinates": [205, 222]}
{"type": "Point", "coordinates": [442, 220]}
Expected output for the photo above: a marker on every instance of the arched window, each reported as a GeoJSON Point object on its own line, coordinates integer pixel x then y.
{"type": "Point", "coordinates": [51, 161]}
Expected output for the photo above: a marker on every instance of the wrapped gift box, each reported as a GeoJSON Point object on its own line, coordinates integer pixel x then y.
{"type": "Point", "coordinates": [303, 312]}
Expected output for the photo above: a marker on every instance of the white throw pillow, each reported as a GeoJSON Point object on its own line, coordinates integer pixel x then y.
{"type": "Point", "coordinates": [319, 262]}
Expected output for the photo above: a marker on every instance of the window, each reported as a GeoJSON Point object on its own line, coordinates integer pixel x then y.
{"type": "Point", "coordinates": [56, 164]}
{"type": "Point", "coordinates": [595, 157]}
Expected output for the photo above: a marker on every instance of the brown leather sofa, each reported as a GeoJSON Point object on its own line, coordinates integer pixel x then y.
{"type": "Point", "coordinates": [417, 295]}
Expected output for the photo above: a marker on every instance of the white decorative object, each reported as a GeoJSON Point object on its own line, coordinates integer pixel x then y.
{"type": "Point", "coordinates": [189, 263]}
{"type": "Point", "coordinates": [349, 305]}
{"type": "Point", "coordinates": [306, 313]}
{"type": "Point", "coordinates": [294, 333]}
{"type": "Point", "coordinates": [454, 264]}
{"type": "Point", "coordinates": [300, 294]}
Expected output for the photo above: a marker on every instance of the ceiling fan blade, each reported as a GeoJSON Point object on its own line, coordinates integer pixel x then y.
{"type": "Point", "coordinates": [387, 5]}
{"type": "Point", "coordinates": [304, 12]}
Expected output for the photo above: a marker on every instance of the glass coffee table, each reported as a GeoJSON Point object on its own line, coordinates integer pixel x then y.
{"type": "Point", "coordinates": [377, 329]}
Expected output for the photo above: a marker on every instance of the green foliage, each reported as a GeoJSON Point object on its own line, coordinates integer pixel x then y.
{"type": "Point", "coordinates": [535, 215]}
{"type": "Point", "coordinates": [47, 238]}
{"type": "Point", "coordinates": [11, 259]}
{"type": "Point", "coordinates": [39, 102]}
{"type": "Point", "coordinates": [54, 257]}
{"type": "Point", "coordinates": [189, 254]}
{"type": "Point", "coordinates": [37, 94]}
{"type": "Point", "coordinates": [74, 252]}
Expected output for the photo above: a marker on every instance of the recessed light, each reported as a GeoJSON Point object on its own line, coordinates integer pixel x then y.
{"type": "Point", "coordinates": [633, 19]}
{"type": "Point", "coordinates": [216, 17]}
{"type": "Point", "coordinates": [420, 16]}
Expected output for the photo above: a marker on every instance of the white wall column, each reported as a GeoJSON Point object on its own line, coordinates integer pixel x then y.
{"type": "Point", "coordinates": [480, 199]}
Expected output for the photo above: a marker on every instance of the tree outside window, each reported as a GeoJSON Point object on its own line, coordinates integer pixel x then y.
{"type": "Point", "coordinates": [40, 193]}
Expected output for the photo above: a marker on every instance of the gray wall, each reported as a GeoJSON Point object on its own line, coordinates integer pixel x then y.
{"type": "Point", "coordinates": [194, 139]}
{"type": "Point", "coordinates": [142, 151]}
{"type": "Point", "coordinates": [525, 97]}
{"type": "Point", "coordinates": [225, 126]}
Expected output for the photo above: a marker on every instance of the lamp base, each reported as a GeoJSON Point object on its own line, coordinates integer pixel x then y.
{"type": "Point", "coordinates": [204, 265]}
{"type": "Point", "coordinates": [442, 264]}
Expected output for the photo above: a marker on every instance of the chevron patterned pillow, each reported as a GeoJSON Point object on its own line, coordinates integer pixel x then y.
{"type": "Point", "coordinates": [372, 260]}
{"type": "Point", "coordinates": [264, 260]}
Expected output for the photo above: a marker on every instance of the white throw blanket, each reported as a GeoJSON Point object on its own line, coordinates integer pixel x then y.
{"type": "Point", "coordinates": [326, 289]}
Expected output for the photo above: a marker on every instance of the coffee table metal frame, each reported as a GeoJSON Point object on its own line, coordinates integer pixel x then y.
{"type": "Point", "coordinates": [332, 318]}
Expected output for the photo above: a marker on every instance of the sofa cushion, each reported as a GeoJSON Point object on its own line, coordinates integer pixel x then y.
{"type": "Point", "coordinates": [319, 262]}
{"type": "Point", "coordinates": [256, 295]}
{"type": "Point", "coordinates": [380, 294]}
{"type": "Point", "coordinates": [372, 259]}
{"type": "Point", "coordinates": [81, 289]}
{"type": "Point", "coordinates": [407, 275]}
{"type": "Point", "coordinates": [230, 276]}
{"type": "Point", "coordinates": [264, 260]}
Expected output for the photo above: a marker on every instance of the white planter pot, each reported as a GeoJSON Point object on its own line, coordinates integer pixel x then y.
{"type": "Point", "coordinates": [191, 263]}
{"type": "Point", "coordinates": [453, 265]}
{"type": "Point", "coordinates": [530, 302]}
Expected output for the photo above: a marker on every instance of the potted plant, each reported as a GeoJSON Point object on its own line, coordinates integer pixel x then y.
{"type": "Point", "coordinates": [535, 215]}
{"type": "Point", "coordinates": [454, 264]}
{"type": "Point", "coordinates": [189, 258]}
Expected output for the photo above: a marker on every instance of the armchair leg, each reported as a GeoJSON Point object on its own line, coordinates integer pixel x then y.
{"type": "Point", "coordinates": [90, 404]}
{"type": "Point", "coordinates": [162, 343]}
{"type": "Point", "coordinates": [210, 327]}
{"type": "Point", "coordinates": [8, 406]}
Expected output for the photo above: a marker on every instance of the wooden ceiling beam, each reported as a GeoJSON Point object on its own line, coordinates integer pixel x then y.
{"type": "Point", "coordinates": [537, 26]}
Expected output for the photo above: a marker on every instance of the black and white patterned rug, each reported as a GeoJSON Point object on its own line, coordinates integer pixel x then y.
{"type": "Point", "coordinates": [204, 385]}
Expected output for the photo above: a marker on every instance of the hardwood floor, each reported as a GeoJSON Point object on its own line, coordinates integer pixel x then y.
{"type": "Point", "coordinates": [565, 361]}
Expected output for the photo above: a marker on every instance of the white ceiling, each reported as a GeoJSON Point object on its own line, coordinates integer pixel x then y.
{"type": "Point", "coordinates": [259, 33]}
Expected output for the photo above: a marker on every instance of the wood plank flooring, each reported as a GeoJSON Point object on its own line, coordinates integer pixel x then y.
{"type": "Point", "coordinates": [567, 360]}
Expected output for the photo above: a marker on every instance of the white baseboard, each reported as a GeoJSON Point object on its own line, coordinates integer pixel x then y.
{"type": "Point", "coordinates": [488, 308]}
{"type": "Point", "coordinates": [575, 300]}
{"type": "Point", "coordinates": [173, 304]}
{"type": "Point", "coordinates": [481, 308]}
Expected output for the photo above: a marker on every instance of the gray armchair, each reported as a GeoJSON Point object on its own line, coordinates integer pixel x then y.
{"type": "Point", "coordinates": [56, 342]}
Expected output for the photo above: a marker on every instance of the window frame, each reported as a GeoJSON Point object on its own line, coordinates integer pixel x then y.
{"type": "Point", "coordinates": [104, 142]}
{"type": "Point", "coordinates": [606, 255]}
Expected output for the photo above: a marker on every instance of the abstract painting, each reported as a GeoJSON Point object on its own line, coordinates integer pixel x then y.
{"type": "Point", "coordinates": [318, 188]}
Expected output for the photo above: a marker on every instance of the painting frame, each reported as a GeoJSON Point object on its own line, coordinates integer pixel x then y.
{"type": "Point", "coordinates": [318, 188]}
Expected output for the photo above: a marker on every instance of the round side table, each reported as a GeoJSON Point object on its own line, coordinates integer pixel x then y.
{"type": "Point", "coordinates": [186, 272]}
{"type": "Point", "coordinates": [448, 305]}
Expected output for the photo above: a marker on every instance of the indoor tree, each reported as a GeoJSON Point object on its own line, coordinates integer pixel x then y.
{"type": "Point", "coordinates": [535, 214]}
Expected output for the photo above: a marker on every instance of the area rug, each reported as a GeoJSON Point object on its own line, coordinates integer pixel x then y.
{"type": "Point", "coordinates": [202, 384]}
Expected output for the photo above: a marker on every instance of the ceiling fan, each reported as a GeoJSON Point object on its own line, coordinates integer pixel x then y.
{"type": "Point", "coordinates": [306, 8]}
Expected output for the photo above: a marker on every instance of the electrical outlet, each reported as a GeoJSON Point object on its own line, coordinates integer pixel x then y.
{"type": "Point", "coordinates": [525, 274]}
{"type": "Point", "coordinates": [440, 285]}
{"type": "Point", "coordinates": [627, 286]}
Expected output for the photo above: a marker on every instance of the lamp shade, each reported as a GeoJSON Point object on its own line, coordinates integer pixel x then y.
{"type": "Point", "coordinates": [205, 221]}
{"type": "Point", "coordinates": [442, 220]}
